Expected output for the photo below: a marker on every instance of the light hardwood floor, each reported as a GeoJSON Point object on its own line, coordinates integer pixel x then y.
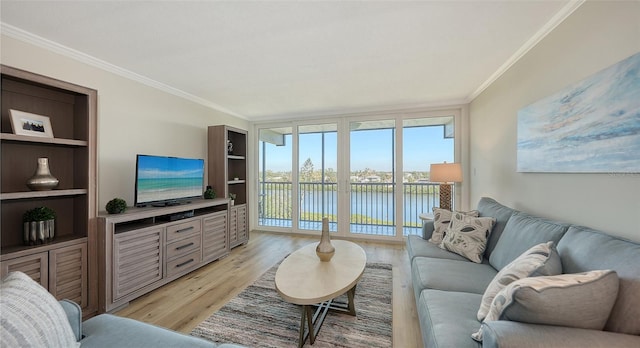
{"type": "Point", "coordinates": [185, 302]}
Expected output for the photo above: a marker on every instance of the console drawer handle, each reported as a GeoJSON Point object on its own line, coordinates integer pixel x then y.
{"type": "Point", "coordinates": [185, 263]}
{"type": "Point", "coordinates": [184, 246]}
{"type": "Point", "coordinates": [185, 229]}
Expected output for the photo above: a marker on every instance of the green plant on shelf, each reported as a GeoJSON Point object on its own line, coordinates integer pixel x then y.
{"type": "Point", "coordinates": [39, 214]}
{"type": "Point", "coordinates": [209, 193]}
{"type": "Point", "coordinates": [116, 206]}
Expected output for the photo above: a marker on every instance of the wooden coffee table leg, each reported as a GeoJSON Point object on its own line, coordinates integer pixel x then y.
{"type": "Point", "coordinates": [310, 324]}
{"type": "Point", "coordinates": [351, 305]}
{"type": "Point", "coordinates": [302, 337]}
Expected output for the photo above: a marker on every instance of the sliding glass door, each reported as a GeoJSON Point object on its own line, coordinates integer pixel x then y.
{"type": "Point", "coordinates": [317, 176]}
{"type": "Point", "coordinates": [275, 194]}
{"type": "Point", "coordinates": [368, 176]}
{"type": "Point", "coordinates": [424, 141]}
{"type": "Point", "coordinates": [372, 177]}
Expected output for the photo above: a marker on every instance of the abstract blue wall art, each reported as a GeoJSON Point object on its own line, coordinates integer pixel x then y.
{"type": "Point", "coordinates": [592, 126]}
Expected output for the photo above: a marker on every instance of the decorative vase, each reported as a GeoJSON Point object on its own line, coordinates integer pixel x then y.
{"type": "Point", "coordinates": [325, 250]}
{"type": "Point", "coordinates": [38, 232]}
{"type": "Point", "coordinates": [42, 180]}
{"type": "Point", "coordinates": [229, 147]}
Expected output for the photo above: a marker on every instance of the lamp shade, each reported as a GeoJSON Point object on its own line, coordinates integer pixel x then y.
{"type": "Point", "coordinates": [445, 172]}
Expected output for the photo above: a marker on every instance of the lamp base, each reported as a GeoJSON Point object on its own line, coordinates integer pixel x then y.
{"type": "Point", "coordinates": [445, 196]}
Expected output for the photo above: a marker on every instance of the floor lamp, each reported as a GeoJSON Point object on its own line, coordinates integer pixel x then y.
{"type": "Point", "coordinates": [446, 174]}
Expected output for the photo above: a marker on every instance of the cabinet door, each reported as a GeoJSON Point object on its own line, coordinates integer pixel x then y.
{"type": "Point", "coordinates": [233, 226]}
{"type": "Point", "coordinates": [241, 223]}
{"type": "Point", "coordinates": [214, 236]}
{"type": "Point", "coordinates": [35, 266]}
{"type": "Point", "coordinates": [137, 260]}
{"type": "Point", "coordinates": [68, 273]}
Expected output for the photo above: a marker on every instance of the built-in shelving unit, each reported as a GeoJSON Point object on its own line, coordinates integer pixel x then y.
{"type": "Point", "coordinates": [223, 168]}
{"type": "Point", "coordinates": [72, 158]}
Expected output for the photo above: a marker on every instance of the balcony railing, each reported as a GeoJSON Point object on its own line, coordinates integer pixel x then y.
{"type": "Point", "coordinates": [372, 205]}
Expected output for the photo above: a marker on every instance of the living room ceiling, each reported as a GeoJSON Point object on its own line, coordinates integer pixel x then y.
{"type": "Point", "coordinates": [283, 59]}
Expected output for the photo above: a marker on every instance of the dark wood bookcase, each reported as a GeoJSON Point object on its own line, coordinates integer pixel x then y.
{"type": "Point", "coordinates": [223, 170]}
{"type": "Point", "coordinates": [67, 266]}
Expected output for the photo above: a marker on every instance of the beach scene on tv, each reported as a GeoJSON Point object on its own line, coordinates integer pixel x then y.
{"type": "Point", "coordinates": [168, 178]}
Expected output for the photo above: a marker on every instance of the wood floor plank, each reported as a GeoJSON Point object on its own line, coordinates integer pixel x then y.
{"type": "Point", "coordinates": [189, 300]}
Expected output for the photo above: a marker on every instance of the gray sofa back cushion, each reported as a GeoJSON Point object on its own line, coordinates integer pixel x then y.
{"type": "Point", "coordinates": [522, 232]}
{"type": "Point", "coordinates": [489, 207]}
{"type": "Point", "coordinates": [583, 249]}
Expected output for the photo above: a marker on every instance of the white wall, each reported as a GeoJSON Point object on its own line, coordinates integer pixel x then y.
{"type": "Point", "coordinates": [595, 36]}
{"type": "Point", "coordinates": [132, 117]}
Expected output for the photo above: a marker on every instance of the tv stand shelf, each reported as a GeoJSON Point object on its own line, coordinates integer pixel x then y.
{"type": "Point", "coordinates": [169, 241]}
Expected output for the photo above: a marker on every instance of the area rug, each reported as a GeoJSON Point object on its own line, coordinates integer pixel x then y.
{"type": "Point", "coordinates": [259, 317]}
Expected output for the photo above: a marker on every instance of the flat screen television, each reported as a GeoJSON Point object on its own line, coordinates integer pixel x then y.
{"type": "Point", "coordinates": [162, 180]}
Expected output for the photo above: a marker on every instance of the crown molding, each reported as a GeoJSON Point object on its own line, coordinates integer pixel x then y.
{"type": "Point", "coordinates": [365, 111]}
{"type": "Point", "coordinates": [68, 52]}
{"type": "Point", "coordinates": [558, 18]}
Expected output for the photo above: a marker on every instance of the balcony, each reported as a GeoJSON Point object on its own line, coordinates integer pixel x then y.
{"type": "Point", "coordinates": [372, 206]}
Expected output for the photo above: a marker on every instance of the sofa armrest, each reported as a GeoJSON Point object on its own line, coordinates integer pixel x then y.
{"type": "Point", "coordinates": [504, 333]}
{"type": "Point", "coordinates": [427, 229]}
{"type": "Point", "coordinates": [74, 315]}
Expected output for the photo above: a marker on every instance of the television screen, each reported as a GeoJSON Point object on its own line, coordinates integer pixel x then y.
{"type": "Point", "coordinates": [165, 180]}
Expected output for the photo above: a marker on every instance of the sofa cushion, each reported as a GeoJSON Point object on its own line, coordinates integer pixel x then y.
{"type": "Point", "coordinates": [447, 318]}
{"type": "Point", "coordinates": [582, 300]}
{"type": "Point", "coordinates": [583, 249]}
{"type": "Point", "coordinates": [441, 222]}
{"type": "Point", "coordinates": [108, 330]}
{"type": "Point", "coordinates": [521, 233]}
{"type": "Point", "coordinates": [504, 333]}
{"type": "Point", "coordinates": [31, 316]}
{"type": "Point", "coordinates": [419, 247]}
{"type": "Point", "coordinates": [489, 207]}
{"type": "Point", "coordinates": [468, 235]}
{"type": "Point", "coordinates": [450, 275]}
{"type": "Point", "coordinates": [539, 260]}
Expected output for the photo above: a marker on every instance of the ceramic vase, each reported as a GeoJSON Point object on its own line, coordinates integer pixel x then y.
{"type": "Point", "coordinates": [38, 232]}
{"type": "Point", "coordinates": [42, 180]}
{"type": "Point", "coordinates": [325, 250]}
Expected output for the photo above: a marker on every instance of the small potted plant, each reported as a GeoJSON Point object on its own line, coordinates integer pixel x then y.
{"type": "Point", "coordinates": [209, 193]}
{"type": "Point", "coordinates": [38, 225]}
{"type": "Point", "coordinates": [233, 198]}
{"type": "Point", "coordinates": [116, 206]}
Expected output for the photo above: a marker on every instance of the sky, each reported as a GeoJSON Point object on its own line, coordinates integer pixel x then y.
{"type": "Point", "coordinates": [369, 149]}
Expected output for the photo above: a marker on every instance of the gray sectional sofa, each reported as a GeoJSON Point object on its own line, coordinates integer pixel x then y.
{"type": "Point", "coordinates": [449, 288]}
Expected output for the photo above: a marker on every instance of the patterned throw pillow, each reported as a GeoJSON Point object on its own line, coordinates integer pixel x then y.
{"type": "Point", "coordinates": [441, 220]}
{"type": "Point", "coordinates": [467, 235]}
{"type": "Point", "coordinates": [31, 316]}
{"type": "Point", "coordinates": [581, 300]}
{"type": "Point", "coordinates": [539, 260]}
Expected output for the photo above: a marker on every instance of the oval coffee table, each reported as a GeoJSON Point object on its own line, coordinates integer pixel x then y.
{"type": "Point", "coordinates": [304, 280]}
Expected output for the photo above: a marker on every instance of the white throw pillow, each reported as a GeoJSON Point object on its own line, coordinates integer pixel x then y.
{"type": "Point", "coordinates": [539, 260]}
{"type": "Point", "coordinates": [441, 221]}
{"type": "Point", "coordinates": [581, 300]}
{"type": "Point", "coordinates": [467, 235]}
{"type": "Point", "coordinates": [31, 316]}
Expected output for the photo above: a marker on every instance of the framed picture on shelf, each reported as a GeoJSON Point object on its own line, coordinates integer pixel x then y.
{"type": "Point", "coordinates": [25, 123]}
